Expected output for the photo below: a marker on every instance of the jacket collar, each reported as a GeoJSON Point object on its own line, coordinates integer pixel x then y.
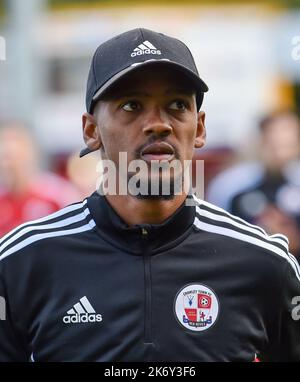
{"type": "Point", "coordinates": [139, 238]}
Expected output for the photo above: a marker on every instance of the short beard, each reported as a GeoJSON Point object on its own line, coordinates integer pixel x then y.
{"type": "Point", "coordinates": [166, 189]}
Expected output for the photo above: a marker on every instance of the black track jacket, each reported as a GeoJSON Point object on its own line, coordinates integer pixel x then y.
{"type": "Point", "coordinates": [81, 285]}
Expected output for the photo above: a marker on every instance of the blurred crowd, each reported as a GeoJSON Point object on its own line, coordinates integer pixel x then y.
{"type": "Point", "coordinates": [264, 191]}
{"type": "Point", "coordinates": [27, 190]}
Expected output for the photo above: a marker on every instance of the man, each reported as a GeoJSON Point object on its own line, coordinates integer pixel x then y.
{"type": "Point", "coordinates": [141, 277]}
{"type": "Point", "coordinates": [267, 192]}
{"type": "Point", "coordinates": [26, 192]}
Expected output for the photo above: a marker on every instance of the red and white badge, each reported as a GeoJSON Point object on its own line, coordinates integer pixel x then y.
{"type": "Point", "coordinates": [196, 307]}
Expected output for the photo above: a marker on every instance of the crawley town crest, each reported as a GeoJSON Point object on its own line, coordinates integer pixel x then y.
{"type": "Point", "coordinates": [196, 307]}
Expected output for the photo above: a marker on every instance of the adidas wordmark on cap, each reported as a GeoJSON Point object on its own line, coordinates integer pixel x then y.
{"type": "Point", "coordinates": [134, 49]}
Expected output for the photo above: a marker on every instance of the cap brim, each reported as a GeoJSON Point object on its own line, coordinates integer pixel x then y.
{"type": "Point", "coordinates": [200, 85]}
{"type": "Point", "coordinates": [86, 151]}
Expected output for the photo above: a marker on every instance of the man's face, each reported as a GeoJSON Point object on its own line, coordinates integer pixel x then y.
{"type": "Point", "coordinates": [281, 142]}
{"type": "Point", "coordinates": [17, 155]}
{"type": "Point", "coordinates": [150, 115]}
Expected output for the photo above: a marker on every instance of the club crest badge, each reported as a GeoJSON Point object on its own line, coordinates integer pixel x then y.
{"type": "Point", "coordinates": [196, 307]}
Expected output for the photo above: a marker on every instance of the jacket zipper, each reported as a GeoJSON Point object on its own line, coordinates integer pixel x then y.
{"type": "Point", "coordinates": [148, 291]}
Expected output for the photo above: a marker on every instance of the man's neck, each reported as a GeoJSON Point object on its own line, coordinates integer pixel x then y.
{"type": "Point", "coordinates": [136, 211]}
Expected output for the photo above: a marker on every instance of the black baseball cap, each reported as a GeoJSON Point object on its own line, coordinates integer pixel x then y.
{"type": "Point", "coordinates": [132, 50]}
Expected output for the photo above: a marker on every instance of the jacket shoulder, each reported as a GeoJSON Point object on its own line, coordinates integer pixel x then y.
{"type": "Point", "coordinates": [210, 218]}
{"type": "Point", "coordinates": [70, 220]}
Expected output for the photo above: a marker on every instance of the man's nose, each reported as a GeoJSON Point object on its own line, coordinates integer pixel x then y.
{"type": "Point", "coordinates": [157, 122]}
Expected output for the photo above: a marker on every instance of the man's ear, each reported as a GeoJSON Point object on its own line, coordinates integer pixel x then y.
{"type": "Point", "coordinates": [201, 131]}
{"type": "Point", "coordinates": [91, 134]}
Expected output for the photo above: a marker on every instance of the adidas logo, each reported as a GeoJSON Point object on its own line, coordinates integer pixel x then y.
{"type": "Point", "coordinates": [145, 48]}
{"type": "Point", "coordinates": [82, 312]}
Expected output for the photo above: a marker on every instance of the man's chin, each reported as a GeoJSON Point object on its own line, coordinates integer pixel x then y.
{"type": "Point", "coordinates": [154, 197]}
{"type": "Point", "coordinates": [156, 188]}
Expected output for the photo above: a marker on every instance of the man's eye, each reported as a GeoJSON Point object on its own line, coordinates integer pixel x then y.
{"type": "Point", "coordinates": [130, 106]}
{"type": "Point", "coordinates": [178, 105]}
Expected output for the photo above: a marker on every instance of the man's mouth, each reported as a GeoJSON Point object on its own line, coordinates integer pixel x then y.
{"type": "Point", "coordinates": [158, 151]}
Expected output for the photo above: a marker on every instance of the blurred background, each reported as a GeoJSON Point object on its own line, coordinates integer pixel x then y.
{"type": "Point", "coordinates": [247, 52]}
